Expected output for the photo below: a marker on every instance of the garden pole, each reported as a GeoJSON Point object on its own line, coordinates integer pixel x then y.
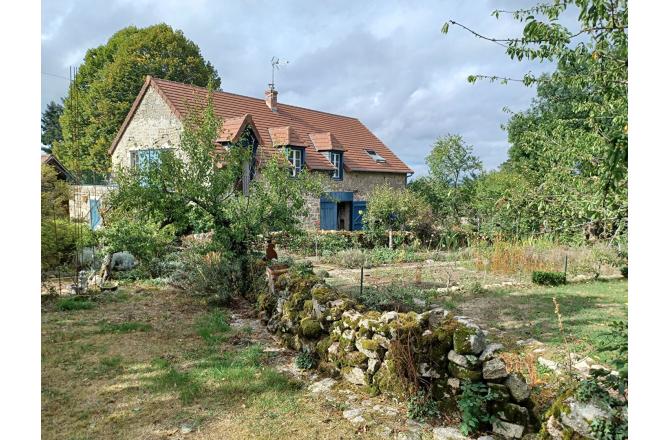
{"type": "Point", "coordinates": [361, 279]}
{"type": "Point", "coordinates": [565, 264]}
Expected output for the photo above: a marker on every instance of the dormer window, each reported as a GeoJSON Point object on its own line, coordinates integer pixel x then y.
{"type": "Point", "coordinates": [336, 158]}
{"type": "Point", "coordinates": [375, 156]}
{"type": "Point", "coordinates": [296, 158]}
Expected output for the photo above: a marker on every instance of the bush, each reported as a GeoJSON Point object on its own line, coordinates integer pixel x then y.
{"type": "Point", "coordinates": [472, 404]}
{"type": "Point", "coordinates": [305, 360]}
{"type": "Point", "coordinates": [144, 240]}
{"type": "Point", "coordinates": [394, 297]}
{"type": "Point", "coordinates": [422, 407]}
{"type": "Point", "coordinates": [349, 258]}
{"type": "Point", "coordinates": [548, 278]}
{"type": "Point", "coordinates": [60, 240]}
{"type": "Point", "coordinates": [624, 271]}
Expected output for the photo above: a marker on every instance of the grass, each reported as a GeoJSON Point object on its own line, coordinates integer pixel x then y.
{"type": "Point", "coordinates": [124, 327]}
{"type": "Point", "coordinates": [213, 327]}
{"type": "Point", "coordinates": [74, 303]}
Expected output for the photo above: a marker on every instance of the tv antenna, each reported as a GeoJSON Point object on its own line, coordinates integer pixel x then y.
{"type": "Point", "coordinates": [275, 65]}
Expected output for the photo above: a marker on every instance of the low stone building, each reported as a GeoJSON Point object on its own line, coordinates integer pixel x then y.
{"type": "Point", "coordinates": [353, 159]}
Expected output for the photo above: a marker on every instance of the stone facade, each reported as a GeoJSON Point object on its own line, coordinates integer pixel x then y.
{"type": "Point", "coordinates": [359, 183]}
{"type": "Point", "coordinates": [154, 125]}
{"type": "Point", "coordinates": [80, 198]}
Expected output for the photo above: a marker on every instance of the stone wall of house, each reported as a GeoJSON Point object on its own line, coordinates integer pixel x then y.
{"type": "Point", "coordinates": [391, 352]}
{"type": "Point", "coordinates": [80, 196]}
{"type": "Point", "coordinates": [154, 125]}
{"type": "Point", "coordinates": [359, 183]}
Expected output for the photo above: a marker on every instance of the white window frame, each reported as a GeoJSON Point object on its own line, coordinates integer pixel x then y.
{"type": "Point", "coordinates": [335, 157]}
{"type": "Point", "coordinates": [296, 158]}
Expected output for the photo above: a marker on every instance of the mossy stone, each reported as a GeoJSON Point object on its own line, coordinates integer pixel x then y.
{"type": "Point", "coordinates": [463, 373]}
{"type": "Point", "coordinates": [310, 328]}
{"type": "Point", "coordinates": [355, 359]}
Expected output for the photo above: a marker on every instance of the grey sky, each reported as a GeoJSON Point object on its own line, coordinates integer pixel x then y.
{"type": "Point", "coordinates": [384, 62]}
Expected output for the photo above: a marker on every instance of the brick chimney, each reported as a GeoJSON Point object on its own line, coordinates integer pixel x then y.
{"type": "Point", "coordinates": [271, 98]}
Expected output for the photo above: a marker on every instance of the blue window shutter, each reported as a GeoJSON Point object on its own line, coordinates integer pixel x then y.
{"type": "Point", "coordinates": [94, 206]}
{"type": "Point", "coordinates": [359, 208]}
{"type": "Point", "coordinates": [327, 214]}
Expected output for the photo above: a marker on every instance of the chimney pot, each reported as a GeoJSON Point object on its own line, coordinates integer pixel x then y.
{"type": "Point", "coordinates": [271, 99]}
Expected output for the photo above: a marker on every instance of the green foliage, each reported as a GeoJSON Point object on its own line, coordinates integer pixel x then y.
{"type": "Point", "coordinates": [394, 297]}
{"type": "Point", "coordinates": [472, 404]}
{"type": "Point", "coordinates": [452, 162]}
{"type": "Point", "coordinates": [74, 303]}
{"type": "Point", "coordinates": [302, 268]}
{"type": "Point", "coordinates": [396, 209]}
{"type": "Point", "coordinates": [60, 239]}
{"type": "Point", "coordinates": [145, 240]}
{"type": "Point", "coordinates": [306, 242]}
{"type": "Point", "coordinates": [616, 428]}
{"type": "Point", "coordinates": [51, 131]}
{"type": "Point", "coordinates": [306, 360]}
{"type": "Point", "coordinates": [213, 327]}
{"type": "Point", "coordinates": [548, 278]}
{"type": "Point", "coordinates": [571, 145]}
{"type": "Point", "coordinates": [422, 407]}
{"type": "Point", "coordinates": [206, 178]}
{"type": "Point", "coordinates": [108, 82]}
{"type": "Point", "coordinates": [616, 342]}
{"type": "Point", "coordinates": [124, 327]}
{"type": "Point", "coordinates": [624, 270]}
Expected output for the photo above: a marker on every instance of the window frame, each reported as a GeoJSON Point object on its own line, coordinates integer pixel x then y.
{"type": "Point", "coordinates": [338, 163]}
{"type": "Point", "coordinates": [291, 156]}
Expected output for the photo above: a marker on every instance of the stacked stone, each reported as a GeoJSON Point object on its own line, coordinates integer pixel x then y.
{"type": "Point", "coordinates": [370, 348]}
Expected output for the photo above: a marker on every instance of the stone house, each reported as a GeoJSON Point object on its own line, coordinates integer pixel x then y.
{"type": "Point", "coordinates": [352, 158]}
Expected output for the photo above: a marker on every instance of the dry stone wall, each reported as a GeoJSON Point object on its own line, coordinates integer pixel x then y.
{"type": "Point", "coordinates": [391, 352]}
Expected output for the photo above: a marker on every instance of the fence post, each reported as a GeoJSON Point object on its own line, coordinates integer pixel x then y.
{"type": "Point", "coordinates": [565, 264]}
{"type": "Point", "coordinates": [361, 279]}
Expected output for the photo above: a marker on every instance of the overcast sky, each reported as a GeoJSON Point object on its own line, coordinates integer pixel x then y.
{"type": "Point", "coordinates": [384, 62]}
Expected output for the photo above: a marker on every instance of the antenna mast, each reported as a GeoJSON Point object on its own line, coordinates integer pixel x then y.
{"type": "Point", "coordinates": [275, 65]}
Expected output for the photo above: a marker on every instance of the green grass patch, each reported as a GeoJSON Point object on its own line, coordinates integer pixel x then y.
{"type": "Point", "coordinates": [124, 327]}
{"type": "Point", "coordinates": [75, 303]}
{"type": "Point", "coordinates": [230, 377]}
{"type": "Point", "coordinates": [213, 327]}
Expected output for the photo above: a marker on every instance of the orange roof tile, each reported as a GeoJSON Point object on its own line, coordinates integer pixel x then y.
{"type": "Point", "coordinates": [316, 130]}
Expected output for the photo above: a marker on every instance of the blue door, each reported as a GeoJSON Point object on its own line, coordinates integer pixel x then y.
{"type": "Point", "coordinates": [95, 218]}
{"type": "Point", "coordinates": [327, 214]}
{"type": "Point", "coordinates": [359, 208]}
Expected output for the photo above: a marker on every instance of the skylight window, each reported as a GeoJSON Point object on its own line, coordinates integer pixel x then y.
{"type": "Point", "coordinates": [375, 156]}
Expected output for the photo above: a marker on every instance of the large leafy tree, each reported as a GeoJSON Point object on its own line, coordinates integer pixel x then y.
{"type": "Point", "coordinates": [109, 80]}
{"type": "Point", "coordinates": [452, 169]}
{"type": "Point", "coordinates": [51, 131]}
{"type": "Point", "coordinates": [572, 143]}
{"type": "Point", "coordinates": [205, 180]}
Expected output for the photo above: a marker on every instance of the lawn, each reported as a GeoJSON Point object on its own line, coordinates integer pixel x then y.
{"type": "Point", "coordinates": [158, 364]}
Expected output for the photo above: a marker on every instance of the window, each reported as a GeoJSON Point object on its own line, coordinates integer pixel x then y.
{"type": "Point", "coordinates": [336, 158]}
{"type": "Point", "coordinates": [296, 158]}
{"type": "Point", "coordinates": [375, 156]}
{"type": "Point", "coordinates": [144, 158]}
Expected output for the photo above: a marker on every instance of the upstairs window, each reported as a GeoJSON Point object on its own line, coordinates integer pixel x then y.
{"type": "Point", "coordinates": [145, 158]}
{"type": "Point", "coordinates": [375, 156]}
{"type": "Point", "coordinates": [296, 158]}
{"type": "Point", "coordinates": [336, 158]}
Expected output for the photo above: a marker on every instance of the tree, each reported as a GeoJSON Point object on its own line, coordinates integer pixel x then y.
{"type": "Point", "coordinates": [452, 162]}
{"type": "Point", "coordinates": [204, 180]}
{"type": "Point", "coordinates": [452, 169]}
{"type": "Point", "coordinates": [51, 131]}
{"type": "Point", "coordinates": [572, 144]}
{"type": "Point", "coordinates": [108, 82]}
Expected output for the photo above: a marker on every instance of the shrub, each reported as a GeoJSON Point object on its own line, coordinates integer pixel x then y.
{"type": "Point", "coordinates": [548, 278]}
{"type": "Point", "coordinates": [472, 404]}
{"type": "Point", "coordinates": [624, 270]}
{"type": "Point", "coordinates": [75, 303]}
{"type": "Point", "coordinates": [422, 407]}
{"type": "Point", "coordinates": [394, 297]}
{"type": "Point", "coordinates": [60, 240]}
{"type": "Point", "coordinates": [349, 258]}
{"type": "Point", "coordinates": [143, 239]}
{"type": "Point", "coordinates": [305, 361]}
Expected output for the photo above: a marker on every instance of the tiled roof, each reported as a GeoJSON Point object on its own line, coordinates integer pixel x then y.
{"type": "Point", "coordinates": [296, 124]}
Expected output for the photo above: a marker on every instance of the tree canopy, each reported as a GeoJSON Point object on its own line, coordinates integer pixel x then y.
{"type": "Point", "coordinates": [109, 80]}
{"type": "Point", "coordinates": [51, 131]}
{"type": "Point", "coordinates": [571, 145]}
